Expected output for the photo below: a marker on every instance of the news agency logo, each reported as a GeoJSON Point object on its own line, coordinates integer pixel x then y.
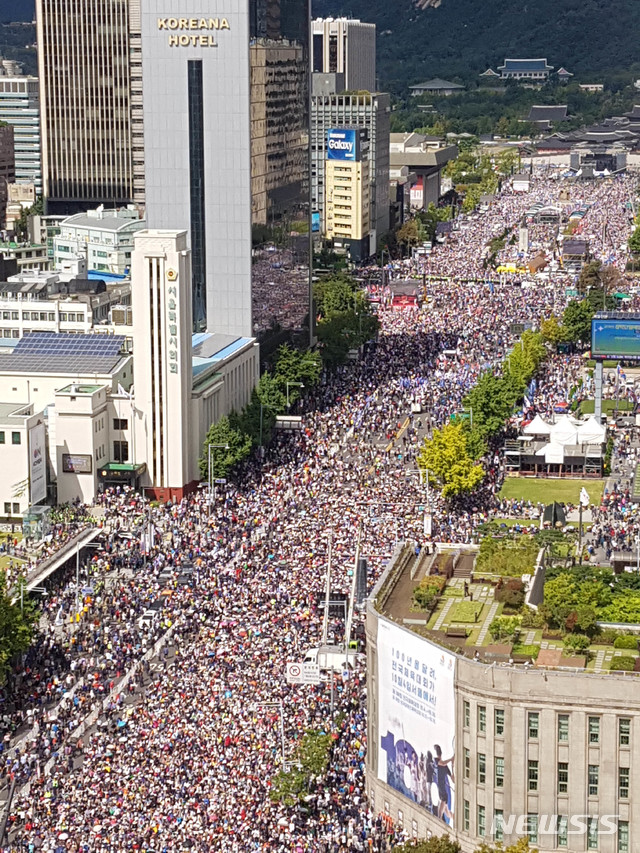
{"type": "Point", "coordinates": [553, 824]}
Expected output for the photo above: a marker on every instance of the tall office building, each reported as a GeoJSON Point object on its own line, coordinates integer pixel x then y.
{"type": "Point", "coordinates": [370, 112]}
{"type": "Point", "coordinates": [20, 107]}
{"type": "Point", "coordinates": [226, 128]}
{"type": "Point", "coordinates": [7, 168]}
{"type": "Point", "coordinates": [345, 46]}
{"type": "Point", "coordinates": [89, 73]}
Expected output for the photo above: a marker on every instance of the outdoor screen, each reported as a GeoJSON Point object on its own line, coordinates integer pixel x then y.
{"type": "Point", "coordinates": [615, 338]}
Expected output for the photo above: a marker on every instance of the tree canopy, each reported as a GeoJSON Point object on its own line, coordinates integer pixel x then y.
{"type": "Point", "coordinates": [449, 465]}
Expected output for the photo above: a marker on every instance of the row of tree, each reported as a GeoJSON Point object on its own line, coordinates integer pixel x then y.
{"type": "Point", "coordinates": [344, 322]}
{"type": "Point", "coordinates": [452, 455]}
{"type": "Point", "coordinates": [444, 844]}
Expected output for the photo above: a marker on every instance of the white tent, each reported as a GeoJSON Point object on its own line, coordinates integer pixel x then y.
{"type": "Point", "coordinates": [564, 431]}
{"type": "Point", "coordinates": [591, 432]}
{"type": "Point", "coordinates": [538, 426]}
{"type": "Point", "coordinates": [552, 452]}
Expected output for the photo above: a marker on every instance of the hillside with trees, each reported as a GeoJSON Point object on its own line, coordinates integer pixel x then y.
{"type": "Point", "coordinates": [459, 39]}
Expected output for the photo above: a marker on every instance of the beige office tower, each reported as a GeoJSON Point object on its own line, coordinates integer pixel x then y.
{"type": "Point", "coordinates": [90, 72]}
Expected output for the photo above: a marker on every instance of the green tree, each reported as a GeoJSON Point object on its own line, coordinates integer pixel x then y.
{"type": "Point", "coordinates": [17, 624]}
{"type": "Point", "coordinates": [491, 401]}
{"type": "Point", "coordinates": [256, 420]}
{"type": "Point", "coordinates": [505, 628]}
{"type": "Point", "coordinates": [293, 365]}
{"type": "Point", "coordinates": [312, 760]}
{"type": "Point", "coordinates": [552, 330]}
{"type": "Point", "coordinates": [408, 235]}
{"type": "Point", "coordinates": [236, 446]}
{"type": "Point", "coordinates": [576, 321]}
{"type": "Point", "coordinates": [634, 242]}
{"type": "Point", "coordinates": [447, 461]}
{"type": "Point", "coordinates": [436, 844]}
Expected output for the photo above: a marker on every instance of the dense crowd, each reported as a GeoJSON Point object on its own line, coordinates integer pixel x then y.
{"type": "Point", "coordinates": [187, 756]}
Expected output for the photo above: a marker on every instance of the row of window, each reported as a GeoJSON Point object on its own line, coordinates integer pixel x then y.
{"type": "Point", "coordinates": [11, 509]}
{"type": "Point", "coordinates": [562, 829]}
{"type": "Point", "coordinates": [533, 775]}
{"type": "Point", "coordinates": [533, 725]}
{"type": "Point", "coordinates": [43, 316]}
{"type": "Point", "coordinates": [16, 437]}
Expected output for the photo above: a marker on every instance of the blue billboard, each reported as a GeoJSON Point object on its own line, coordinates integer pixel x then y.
{"type": "Point", "coordinates": [315, 223]}
{"type": "Point", "coordinates": [616, 338]}
{"type": "Point", "coordinates": [342, 144]}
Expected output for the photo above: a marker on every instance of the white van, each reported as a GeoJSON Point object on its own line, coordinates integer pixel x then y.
{"type": "Point", "coordinates": [331, 657]}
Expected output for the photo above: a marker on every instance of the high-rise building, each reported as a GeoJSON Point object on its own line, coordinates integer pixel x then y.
{"type": "Point", "coordinates": [226, 127]}
{"type": "Point", "coordinates": [347, 191]}
{"type": "Point", "coordinates": [89, 74]}
{"type": "Point", "coordinates": [7, 167]}
{"type": "Point", "coordinates": [369, 112]}
{"type": "Point", "coordinates": [345, 46]}
{"type": "Point", "coordinates": [20, 107]}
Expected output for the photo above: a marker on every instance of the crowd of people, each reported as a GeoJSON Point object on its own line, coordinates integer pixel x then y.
{"type": "Point", "coordinates": [188, 756]}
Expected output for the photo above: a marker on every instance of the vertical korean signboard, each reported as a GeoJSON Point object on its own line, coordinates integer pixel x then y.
{"type": "Point", "coordinates": [171, 302]}
{"type": "Point", "coordinates": [416, 719]}
{"type": "Point", "coordinates": [37, 464]}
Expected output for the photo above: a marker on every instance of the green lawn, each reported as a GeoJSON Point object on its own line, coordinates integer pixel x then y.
{"type": "Point", "coordinates": [547, 491]}
{"type": "Point", "coordinates": [465, 611]}
{"type": "Point", "coordinates": [587, 407]}
{"type": "Point", "coordinates": [6, 560]}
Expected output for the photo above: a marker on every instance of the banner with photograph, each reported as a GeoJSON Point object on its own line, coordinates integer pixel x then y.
{"type": "Point", "coordinates": [416, 719]}
{"type": "Point", "coordinates": [37, 464]}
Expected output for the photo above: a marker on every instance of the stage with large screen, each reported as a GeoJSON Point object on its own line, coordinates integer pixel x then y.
{"type": "Point", "coordinates": [616, 337]}
{"type": "Point", "coordinates": [416, 719]}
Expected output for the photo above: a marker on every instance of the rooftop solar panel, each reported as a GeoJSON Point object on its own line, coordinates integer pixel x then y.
{"type": "Point", "coordinates": [64, 344]}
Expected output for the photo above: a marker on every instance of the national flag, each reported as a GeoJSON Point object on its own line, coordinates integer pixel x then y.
{"type": "Point", "coordinates": [585, 500]}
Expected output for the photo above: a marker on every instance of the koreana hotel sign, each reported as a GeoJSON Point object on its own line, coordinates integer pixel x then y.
{"type": "Point", "coordinates": [204, 35]}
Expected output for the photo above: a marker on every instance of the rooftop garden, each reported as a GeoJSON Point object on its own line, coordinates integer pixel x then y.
{"type": "Point", "coordinates": [485, 614]}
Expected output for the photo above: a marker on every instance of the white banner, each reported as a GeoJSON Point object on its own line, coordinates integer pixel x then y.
{"type": "Point", "coordinates": [37, 464]}
{"type": "Point", "coordinates": [416, 719]}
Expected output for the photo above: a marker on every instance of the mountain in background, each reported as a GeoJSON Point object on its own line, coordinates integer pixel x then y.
{"type": "Point", "coordinates": [16, 10]}
{"type": "Point", "coordinates": [462, 38]}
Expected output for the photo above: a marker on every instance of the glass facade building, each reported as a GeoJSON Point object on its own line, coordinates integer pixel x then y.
{"type": "Point", "coordinates": [226, 125]}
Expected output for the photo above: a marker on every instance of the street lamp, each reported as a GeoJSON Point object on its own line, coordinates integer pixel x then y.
{"type": "Point", "coordinates": [148, 535]}
{"type": "Point", "coordinates": [211, 464]}
{"type": "Point", "coordinates": [298, 384]}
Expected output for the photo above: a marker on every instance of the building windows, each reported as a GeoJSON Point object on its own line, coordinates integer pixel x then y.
{"type": "Point", "coordinates": [15, 315]}
{"type": "Point", "coordinates": [499, 722]}
{"type": "Point", "coordinates": [499, 774]}
{"type": "Point", "coordinates": [482, 768]}
{"type": "Point", "coordinates": [465, 816]}
{"type": "Point", "coordinates": [120, 451]}
{"type": "Point", "coordinates": [482, 718]}
{"type": "Point", "coordinates": [120, 424]}
{"type": "Point", "coordinates": [498, 825]}
{"type": "Point", "coordinates": [594, 729]}
{"type": "Point", "coordinates": [534, 725]}
{"type": "Point", "coordinates": [562, 831]}
{"type": "Point", "coordinates": [7, 508]}
{"type": "Point", "coordinates": [623, 836]}
{"type": "Point", "coordinates": [532, 828]}
{"type": "Point", "coordinates": [467, 763]}
{"type": "Point", "coordinates": [592, 833]}
{"type": "Point", "coordinates": [593, 775]}
{"type": "Point", "coordinates": [482, 821]}
{"type": "Point", "coordinates": [532, 775]}
{"type": "Point", "coordinates": [623, 783]}
{"type": "Point", "coordinates": [195, 93]}
{"type": "Point", "coordinates": [466, 714]}
{"type": "Point", "coordinates": [1, 436]}
{"type": "Point", "coordinates": [16, 438]}
{"type": "Point", "coordinates": [563, 777]}
{"type": "Point", "coordinates": [16, 508]}
{"type": "Point", "coordinates": [624, 731]}
{"type": "Point", "coordinates": [563, 728]}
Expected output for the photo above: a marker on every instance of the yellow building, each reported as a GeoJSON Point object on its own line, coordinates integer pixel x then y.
{"type": "Point", "coordinates": [347, 219]}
